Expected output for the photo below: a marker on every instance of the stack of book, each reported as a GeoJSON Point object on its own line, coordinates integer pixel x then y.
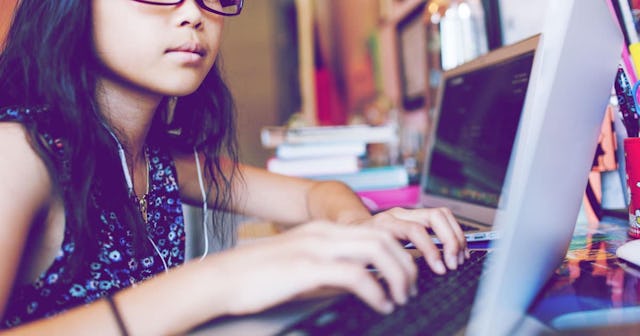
{"type": "Point", "coordinates": [339, 153]}
{"type": "Point", "coordinates": [317, 158]}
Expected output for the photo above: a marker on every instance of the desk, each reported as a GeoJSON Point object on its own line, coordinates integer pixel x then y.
{"type": "Point", "coordinates": [591, 293]}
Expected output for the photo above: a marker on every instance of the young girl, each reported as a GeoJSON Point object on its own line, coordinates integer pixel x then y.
{"type": "Point", "coordinates": [114, 113]}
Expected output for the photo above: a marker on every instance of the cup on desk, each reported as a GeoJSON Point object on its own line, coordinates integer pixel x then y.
{"type": "Point", "coordinates": [632, 165]}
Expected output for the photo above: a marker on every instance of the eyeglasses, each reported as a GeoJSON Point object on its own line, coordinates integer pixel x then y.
{"type": "Point", "coordinates": [221, 7]}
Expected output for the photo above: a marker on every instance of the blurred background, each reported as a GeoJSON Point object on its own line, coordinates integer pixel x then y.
{"type": "Point", "coordinates": [323, 62]}
{"type": "Point", "coordinates": [331, 62]}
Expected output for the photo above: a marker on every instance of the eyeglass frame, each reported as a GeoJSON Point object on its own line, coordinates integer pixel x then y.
{"type": "Point", "coordinates": [199, 2]}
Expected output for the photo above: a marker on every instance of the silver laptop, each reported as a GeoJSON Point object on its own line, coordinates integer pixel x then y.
{"type": "Point", "coordinates": [570, 83]}
{"type": "Point", "coordinates": [472, 133]}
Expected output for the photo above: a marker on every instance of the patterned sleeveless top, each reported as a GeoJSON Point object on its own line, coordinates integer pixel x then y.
{"type": "Point", "coordinates": [114, 267]}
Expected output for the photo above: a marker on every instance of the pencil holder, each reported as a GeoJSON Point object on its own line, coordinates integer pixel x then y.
{"type": "Point", "coordinates": [632, 162]}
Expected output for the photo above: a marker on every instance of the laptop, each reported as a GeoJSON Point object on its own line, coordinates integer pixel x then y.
{"type": "Point", "coordinates": [473, 129]}
{"type": "Point", "coordinates": [573, 70]}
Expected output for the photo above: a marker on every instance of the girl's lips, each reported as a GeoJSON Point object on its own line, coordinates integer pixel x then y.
{"type": "Point", "coordinates": [189, 52]}
{"type": "Point", "coordinates": [185, 56]}
{"type": "Point", "coordinates": [192, 47]}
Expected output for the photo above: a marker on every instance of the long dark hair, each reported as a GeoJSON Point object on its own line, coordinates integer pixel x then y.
{"type": "Point", "coordinates": [49, 61]}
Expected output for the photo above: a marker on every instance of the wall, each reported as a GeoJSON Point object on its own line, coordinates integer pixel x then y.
{"type": "Point", "coordinates": [250, 52]}
{"type": "Point", "coordinates": [349, 37]}
{"type": "Point", "coordinates": [521, 18]}
{"type": "Point", "coordinates": [5, 16]}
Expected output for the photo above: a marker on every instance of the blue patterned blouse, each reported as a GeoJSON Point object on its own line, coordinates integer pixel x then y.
{"type": "Point", "coordinates": [114, 267]}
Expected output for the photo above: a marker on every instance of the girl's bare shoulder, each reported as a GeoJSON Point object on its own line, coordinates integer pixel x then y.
{"type": "Point", "coordinates": [22, 170]}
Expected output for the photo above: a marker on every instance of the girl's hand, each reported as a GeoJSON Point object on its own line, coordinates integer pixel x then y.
{"type": "Point", "coordinates": [318, 255]}
{"type": "Point", "coordinates": [411, 225]}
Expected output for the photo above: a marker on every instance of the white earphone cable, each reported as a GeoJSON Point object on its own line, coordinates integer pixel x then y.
{"type": "Point", "coordinates": [123, 161]}
{"type": "Point", "coordinates": [205, 211]}
{"type": "Point", "coordinates": [164, 262]}
{"type": "Point", "coordinates": [127, 177]}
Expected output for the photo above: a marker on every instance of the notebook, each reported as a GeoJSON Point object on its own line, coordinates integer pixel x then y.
{"type": "Point", "coordinates": [472, 133]}
{"type": "Point", "coordinates": [575, 62]}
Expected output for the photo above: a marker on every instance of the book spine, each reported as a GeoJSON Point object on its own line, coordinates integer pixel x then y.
{"type": "Point", "coordinates": [271, 137]}
{"type": "Point", "coordinates": [367, 134]}
{"type": "Point", "coordinates": [298, 151]}
{"type": "Point", "coordinates": [314, 166]}
{"type": "Point", "coordinates": [372, 178]}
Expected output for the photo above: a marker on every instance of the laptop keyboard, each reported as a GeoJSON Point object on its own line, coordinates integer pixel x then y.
{"type": "Point", "coordinates": [442, 307]}
{"type": "Point", "coordinates": [464, 227]}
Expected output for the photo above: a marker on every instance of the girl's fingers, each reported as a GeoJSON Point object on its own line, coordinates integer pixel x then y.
{"type": "Point", "coordinates": [412, 224]}
{"type": "Point", "coordinates": [457, 230]}
{"type": "Point", "coordinates": [451, 247]}
{"type": "Point", "coordinates": [357, 280]}
{"type": "Point", "coordinates": [368, 246]}
{"type": "Point", "coordinates": [421, 240]}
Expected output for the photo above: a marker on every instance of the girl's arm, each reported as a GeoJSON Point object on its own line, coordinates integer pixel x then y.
{"type": "Point", "coordinates": [293, 200]}
{"type": "Point", "coordinates": [249, 279]}
{"type": "Point", "coordinates": [319, 255]}
{"type": "Point", "coordinates": [279, 198]}
{"type": "Point", "coordinates": [316, 256]}
{"type": "Point", "coordinates": [25, 190]}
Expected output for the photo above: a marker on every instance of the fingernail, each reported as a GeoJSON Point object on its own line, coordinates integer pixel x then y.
{"type": "Point", "coordinates": [460, 258]}
{"type": "Point", "coordinates": [403, 299]}
{"type": "Point", "coordinates": [467, 254]}
{"type": "Point", "coordinates": [452, 261]}
{"type": "Point", "coordinates": [387, 307]}
{"type": "Point", "coordinates": [439, 267]}
{"type": "Point", "coordinates": [413, 291]}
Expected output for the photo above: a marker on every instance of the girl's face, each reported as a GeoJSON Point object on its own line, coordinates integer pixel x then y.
{"type": "Point", "coordinates": [164, 50]}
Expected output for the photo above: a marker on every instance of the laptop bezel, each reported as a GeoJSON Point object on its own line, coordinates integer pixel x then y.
{"type": "Point", "coordinates": [476, 215]}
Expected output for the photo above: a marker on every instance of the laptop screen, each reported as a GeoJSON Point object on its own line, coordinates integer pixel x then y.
{"type": "Point", "coordinates": [478, 118]}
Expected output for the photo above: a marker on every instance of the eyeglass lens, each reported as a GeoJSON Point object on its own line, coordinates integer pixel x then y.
{"type": "Point", "coordinates": [223, 6]}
